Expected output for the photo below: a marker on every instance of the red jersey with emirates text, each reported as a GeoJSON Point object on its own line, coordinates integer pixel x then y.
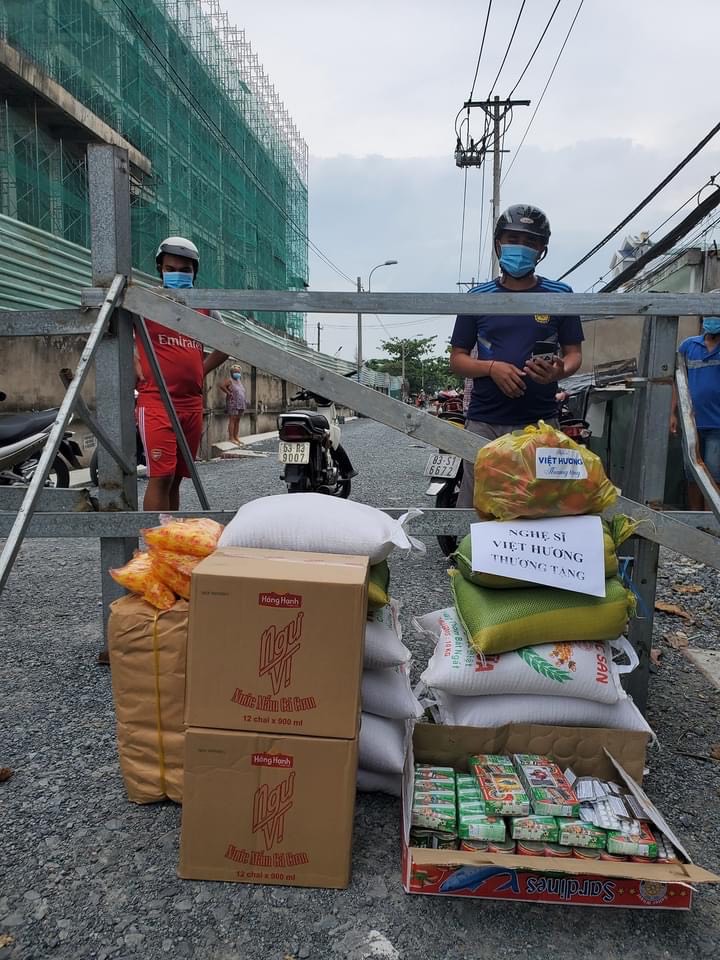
{"type": "Point", "coordinates": [181, 360]}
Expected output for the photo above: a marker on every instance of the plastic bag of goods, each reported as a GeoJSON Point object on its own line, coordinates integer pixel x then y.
{"type": "Point", "coordinates": [500, 620]}
{"type": "Point", "coordinates": [174, 570]}
{"type": "Point", "coordinates": [378, 585]}
{"type": "Point", "coordinates": [582, 670]}
{"type": "Point", "coordinates": [370, 782]}
{"type": "Point", "coordinates": [383, 639]}
{"type": "Point", "coordinates": [147, 659]}
{"type": "Point", "coordinates": [387, 693]}
{"type": "Point", "coordinates": [381, 747]}
{"type": "Point", "coordinates": [195, 536]}
{"type": "Point", "coordinates": [138, 577]}
{"type": "Point", "coordinates": [496, 711]}
{"type": "Point", "coordinates": [315, 523]}
{"type": "Point", "coordinates": [539, 472]}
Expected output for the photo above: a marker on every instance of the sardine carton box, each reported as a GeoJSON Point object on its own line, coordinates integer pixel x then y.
{"type": "Point", "coordinates": [275, 642]}
{"type": "Point", "coordinates": [589, 752]}
{"type": "Point", "coordinates": [267, 808]}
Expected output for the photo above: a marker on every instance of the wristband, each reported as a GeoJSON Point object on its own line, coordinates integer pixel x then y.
{"type": "Point", "coordinates": [490, 368]}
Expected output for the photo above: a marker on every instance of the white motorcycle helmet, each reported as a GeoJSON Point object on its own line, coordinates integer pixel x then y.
{"type": "Point", "coordinates": [178, 247]}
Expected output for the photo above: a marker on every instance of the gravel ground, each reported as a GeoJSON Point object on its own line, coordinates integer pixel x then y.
{"type": "Point", "coordinates": [85, 874]}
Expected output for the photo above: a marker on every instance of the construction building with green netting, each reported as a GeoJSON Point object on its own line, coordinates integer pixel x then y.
{"type": "Point", "coordinates": [213, 153]}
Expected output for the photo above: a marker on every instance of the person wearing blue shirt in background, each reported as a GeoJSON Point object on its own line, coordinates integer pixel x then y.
{"type": "Point", "coordinates": [702, 356]}
{"type": "Point", "coordinates": [512, 389]}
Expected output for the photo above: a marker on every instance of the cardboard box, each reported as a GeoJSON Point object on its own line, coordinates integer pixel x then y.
{"type": "Point", "coordinates": [276, 642]}
{"type": "Point", "coordinates": [511, 877]}
{"type": "Point", "coordinates": [260, 808]}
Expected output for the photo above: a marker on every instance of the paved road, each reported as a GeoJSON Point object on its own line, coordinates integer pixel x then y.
{"type": "Point", "coordinates": [85, 874]}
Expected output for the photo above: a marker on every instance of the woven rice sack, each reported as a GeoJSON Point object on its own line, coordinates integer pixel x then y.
{"type": "Point", "coordinates": [500, 620]}
{"type": "Point", "coordinates": [147, 659]}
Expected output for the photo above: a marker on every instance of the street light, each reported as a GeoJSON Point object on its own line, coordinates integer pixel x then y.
{"type": "Point", "coordinates": [385, 263]}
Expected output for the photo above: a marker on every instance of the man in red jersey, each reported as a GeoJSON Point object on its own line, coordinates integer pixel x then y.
{"type": "Point", "coordinates": [184, 367]}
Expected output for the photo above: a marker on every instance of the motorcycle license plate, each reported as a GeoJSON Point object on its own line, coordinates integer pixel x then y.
{"type": "Point", "coordinates": [443, 465]}
{"type": "Point", "coordinates": [294, 452]}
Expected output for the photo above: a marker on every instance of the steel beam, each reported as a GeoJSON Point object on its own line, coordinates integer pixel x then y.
{"type": "Point", "coordinates": [109, 189]}
{"type": "Point", "coordinates": [274, 359]}
{"type": "Point", "coordinates": [589, 305]}
{"type": "Point", "coordinates": [22, 520]}
{"type": "Point", "coordinates": [646, 483]}
{"type": "Point", "coordinates": [51, 500]}
{"type": "Point", "coordinates": [92, 424]}
{"type": "Point", "coordinates": [47, 323]}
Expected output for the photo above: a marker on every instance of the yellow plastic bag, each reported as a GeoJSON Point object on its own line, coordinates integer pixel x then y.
{"type": "Point", "coordinates": [615, 532]}
{"type": "Point", "coordinates": [174, 570]}
{"type": "Point", "coordinates": [520, 475]}
{"type": "Point", "coordinates": [378, 586]}
{"type": "Point", "coordinates": [499, 621]}
{"type": "Point", "coordinates": [138, 577]}
{"type": "Point", "coordinates": [198, 537]}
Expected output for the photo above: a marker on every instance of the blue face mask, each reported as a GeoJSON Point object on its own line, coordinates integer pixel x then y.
{"type": "Point", "coordinates": [517, 260]}
{"type": "Point", "coordinates": [711, 325]}
{"type": "Point", "coordinates": [175, 280]}
{"type": "Point", "coordinates": [236, 376]}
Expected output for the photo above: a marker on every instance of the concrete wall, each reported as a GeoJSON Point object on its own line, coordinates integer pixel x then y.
{"type": "Point", "coordinates": [29, 375]}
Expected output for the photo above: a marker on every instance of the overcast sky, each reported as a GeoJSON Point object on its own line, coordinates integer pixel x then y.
{"type": "Point", "coordinates": [374, 88]}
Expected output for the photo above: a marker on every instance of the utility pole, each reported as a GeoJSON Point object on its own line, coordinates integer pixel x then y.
{"type": "Point", "coordinates": [474, 154]}
{"type": "Point", "coordinates": [404, 392]}
{"type": "Point", "coordinates": [359, 333]}
{"type": "Point", "coordinates": [319, 328]}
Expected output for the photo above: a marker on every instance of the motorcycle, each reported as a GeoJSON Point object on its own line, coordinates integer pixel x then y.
{"type": "Point", "coordinates": [446, 471]}
{"type": "Point", "coordinates": [22, 438]}
{"type": "Point", "coordinates": [310, 449]}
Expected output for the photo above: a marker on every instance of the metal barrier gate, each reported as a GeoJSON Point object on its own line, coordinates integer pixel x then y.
{"type": "Point", "coordinates": [114, 308]}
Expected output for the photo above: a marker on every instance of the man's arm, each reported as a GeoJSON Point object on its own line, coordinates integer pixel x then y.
{"type": "Point", "coordinates": [505, 376]}
{"type": "Point", "coordinates": [213, 360]}
{"type": "Point", "coordinates": [563, 366]}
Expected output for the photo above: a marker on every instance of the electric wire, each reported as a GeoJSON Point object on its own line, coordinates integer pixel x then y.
{"type": "Point", "coordinates": [507, 51]}
{"type": "Point", "coordinates": [643, 203]}
{"type": "Point", "coordinates": [482, 218]}
{"type": "Point", "coordinates": [482, 47]}
{"type": "Point", "coordinates": [537, 47]}
{"type": "Point", "coordinates": [542, 95]}
{"type": "Point", "coordinates": [173, 74]}
{"type": "Point", "coordinates": [462, 223]}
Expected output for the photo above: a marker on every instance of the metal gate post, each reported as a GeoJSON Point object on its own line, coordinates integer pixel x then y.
{"type": "Point", "coordinates": [111, 249]}
{"type": "Point", "coordinates": [646, 479]}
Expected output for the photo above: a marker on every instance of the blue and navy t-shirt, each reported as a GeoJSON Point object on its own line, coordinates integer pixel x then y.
{"type": "Point", "coordinates": [511, 339]}
{"type": "Point", "coordinates": [704, 381]}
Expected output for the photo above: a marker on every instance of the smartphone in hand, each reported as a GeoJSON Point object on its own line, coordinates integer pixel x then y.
{"type": "Point", "coordinates": [545, 350]}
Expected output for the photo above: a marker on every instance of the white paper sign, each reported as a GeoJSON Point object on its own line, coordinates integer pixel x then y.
{"type": "Point", "coordinates": [563, 552]}
{"type": "Point", "coordinates": [556, 463]}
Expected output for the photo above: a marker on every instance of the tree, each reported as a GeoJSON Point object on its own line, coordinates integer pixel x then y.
{"type": "Point", "coordinates": [422, 371]}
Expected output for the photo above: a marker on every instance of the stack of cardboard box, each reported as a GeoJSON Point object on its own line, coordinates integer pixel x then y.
{"type": "Point", "coordinates": [275, 653]}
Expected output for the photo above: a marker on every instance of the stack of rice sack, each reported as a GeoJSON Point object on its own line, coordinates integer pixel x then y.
{"type": "Point", "coordinates": [314, 523]}
{"type": "Point", "coordinates": [147, 639]}
{"type": "Point", "coordinates": [515, 651]}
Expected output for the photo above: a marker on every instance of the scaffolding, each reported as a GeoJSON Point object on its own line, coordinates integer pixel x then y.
{"type": "Point", "coordinates": [181, 84]}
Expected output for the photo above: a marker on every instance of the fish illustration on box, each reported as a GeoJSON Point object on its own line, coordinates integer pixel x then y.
{"type": "Point", "coordinates": [472, 878]}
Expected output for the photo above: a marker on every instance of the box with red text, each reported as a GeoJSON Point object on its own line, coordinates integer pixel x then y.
{"type": "Point", "coordinates": [262, 808]}
{"type": "Point", "coordinates": [275, 642]}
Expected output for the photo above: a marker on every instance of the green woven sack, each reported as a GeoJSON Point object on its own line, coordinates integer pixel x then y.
{"type": "Point", "coordinates": [498, 621]}
{"type": "Point", "coordinates": [379, 585]}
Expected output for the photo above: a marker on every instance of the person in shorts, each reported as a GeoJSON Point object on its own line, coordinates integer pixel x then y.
{"type": "Point", "coordinates": [510, 388]}
{"type": "Point", "coordinates": [702, 356]}
{"type": "Point", "coordinates": [184, 366]}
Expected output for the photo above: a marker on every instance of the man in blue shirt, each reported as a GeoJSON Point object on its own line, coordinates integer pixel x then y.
{"type": "Point", "coordinates": [702, 356]}
{"type": "Point", "coordinates": [511, 389]}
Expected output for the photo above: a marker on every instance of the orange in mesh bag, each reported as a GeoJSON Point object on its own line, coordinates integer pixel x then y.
{"type": "Point", "coordinates": [138, 577]}
{"type": "Point", "coordinates": [198, 537]}
{"type": "Point", "coordinates": [539, 472]}
{"type": "Point", "coordinates": [174, 570]}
